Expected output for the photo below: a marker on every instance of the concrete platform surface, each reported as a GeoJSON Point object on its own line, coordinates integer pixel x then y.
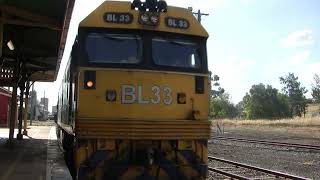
{"type": "Point", "coordinates": [36, 157]}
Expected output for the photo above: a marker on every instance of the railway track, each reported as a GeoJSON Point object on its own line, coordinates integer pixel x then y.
{"type": "Point", "coordinates": [275, 143]}
{"type": "Point", "coordinates": [236, 170]}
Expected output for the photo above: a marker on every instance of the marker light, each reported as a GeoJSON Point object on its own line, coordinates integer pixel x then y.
{"type": "Point", "coordinates": [89, 80]}
{"type": "Point", "coordinates": [89, 84]}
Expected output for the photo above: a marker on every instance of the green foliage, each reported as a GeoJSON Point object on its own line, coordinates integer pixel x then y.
{"type": "Point", "coordinates": [294, 91]}
{"type": "Point", "coordinates": [316, 88]}
{"type": "Point", "coordinates": [265, 102]}
{"type": "Point", "coordinates": [221, 107]}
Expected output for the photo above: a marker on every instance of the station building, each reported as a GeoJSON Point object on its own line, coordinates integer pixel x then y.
{"type": "Point", "coordinates": [5, 97]}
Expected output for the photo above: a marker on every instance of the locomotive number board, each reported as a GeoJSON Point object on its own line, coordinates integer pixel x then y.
{"type": "Point", "coordinates": [179, 23]}
{"type": "Point", "coordinates": [118, 18]}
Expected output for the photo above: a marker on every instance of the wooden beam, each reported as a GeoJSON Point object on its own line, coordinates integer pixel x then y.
{"type": "Point", "coordinates": [29, 23]}
{"type": "Point", "coordinates": [42, 76]}
{"type": "Point", "coordinates": [63, 39]}
{"type": "Point", "coordinates": [6, 83]}
{"type": "Point", "coordinates": [11, 10]}
{"type": "Point", "coordinates": [41, 64]}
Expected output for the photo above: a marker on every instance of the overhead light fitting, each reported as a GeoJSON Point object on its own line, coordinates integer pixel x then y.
{"type": "Point", "coordinates": [10, 45]}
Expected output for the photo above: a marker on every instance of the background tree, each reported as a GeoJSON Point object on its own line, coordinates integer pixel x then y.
{"type": "Point", "coordinates": [294, 91]}
{"type": "Point", "coordinates": [240, 107]}
{"type": "Point", "coordinates": [265, 102]}
{"type": "Point", "coordinates": [216, 89]}
{"type": "Point", "coordinates": [221, 107]}
{"type": "Point", "coordinates": [220, 104]}
{"type": "Point", "coordinates": [316, 88]}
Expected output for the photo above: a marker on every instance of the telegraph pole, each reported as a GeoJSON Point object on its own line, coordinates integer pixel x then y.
{"type": "Point", "coordinates": [199, 14]}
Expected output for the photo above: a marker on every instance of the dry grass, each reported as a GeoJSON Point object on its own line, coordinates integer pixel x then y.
{"type": "Point", "coordinates": [312, 119]}
{"type": "Point", "coordinates": [313, 109]}
{"type": "Point", "coordinates": [296, 122]}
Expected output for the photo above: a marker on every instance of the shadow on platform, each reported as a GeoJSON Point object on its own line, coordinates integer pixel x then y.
{"type": "Point", "coordinates": [33, 158]}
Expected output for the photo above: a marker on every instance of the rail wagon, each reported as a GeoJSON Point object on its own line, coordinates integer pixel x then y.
{"type": "Point", "coordinates": [133, 103]}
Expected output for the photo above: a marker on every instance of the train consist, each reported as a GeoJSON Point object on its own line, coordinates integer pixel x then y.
{"type": "Point", "coordinates": [133, 103]}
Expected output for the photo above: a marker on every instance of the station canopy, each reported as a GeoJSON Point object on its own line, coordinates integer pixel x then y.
{"type": "Point", "coordinates": [33, 33]}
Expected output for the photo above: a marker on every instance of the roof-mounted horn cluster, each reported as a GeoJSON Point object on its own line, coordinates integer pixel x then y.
{"type": "Point", "coordinates": [150, 5]}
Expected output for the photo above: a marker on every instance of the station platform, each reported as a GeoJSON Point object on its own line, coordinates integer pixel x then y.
{"type": "Point", "coordinates": [36, 157]}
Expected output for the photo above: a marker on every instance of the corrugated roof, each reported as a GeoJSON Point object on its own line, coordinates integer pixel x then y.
{"type": "Point", "coordinates": [38, 30]}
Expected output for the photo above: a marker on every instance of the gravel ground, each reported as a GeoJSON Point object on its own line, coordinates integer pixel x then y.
{"type": "Point", "coordinates": [294, 161]}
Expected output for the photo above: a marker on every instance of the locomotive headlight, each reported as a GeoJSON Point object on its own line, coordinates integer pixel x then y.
{"type": "Point", "coordinates": [182, 98]}
{"type": "Point", "coordinates": [149, 18]}
{"type": "Point", "coordinates": [144, 18]}
{"type": "Point", "coordinates": [154, 19]}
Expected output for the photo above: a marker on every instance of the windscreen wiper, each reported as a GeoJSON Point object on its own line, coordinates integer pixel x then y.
{"type": "Point", "coordinates": [112, 38]}
{"type": "Point", "coordinates": [179, 43]}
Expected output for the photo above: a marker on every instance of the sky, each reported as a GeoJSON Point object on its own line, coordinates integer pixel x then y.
{"type": "Point", "coordinates": [251, 41]}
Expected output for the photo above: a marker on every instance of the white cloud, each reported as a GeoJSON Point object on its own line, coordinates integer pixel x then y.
{"type": "Point", "coordinates": [297, 39]}
{"type": "Point", "coordinates": [299, 58]}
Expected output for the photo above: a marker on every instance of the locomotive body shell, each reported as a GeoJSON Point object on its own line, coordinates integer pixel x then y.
{"type": "Point", "coordinates": [137, 120]}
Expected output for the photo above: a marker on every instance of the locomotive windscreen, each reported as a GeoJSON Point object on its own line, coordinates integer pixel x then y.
{"type": "Point", "coordinates": [175, 53]}
{"type": "Point", "coordinates": [113, 48]}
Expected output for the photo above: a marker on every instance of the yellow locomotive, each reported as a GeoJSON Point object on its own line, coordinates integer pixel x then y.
{"type": "Point", "coordinates": [133, 103]}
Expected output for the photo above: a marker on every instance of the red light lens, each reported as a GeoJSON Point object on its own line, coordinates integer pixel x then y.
{"type": "Point", "coordinates": [89, 84]}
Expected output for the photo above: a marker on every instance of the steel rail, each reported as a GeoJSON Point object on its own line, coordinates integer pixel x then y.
{"type": "Point", "coordinates": [267, 171]}
{"type": "Point", "coordinates": [228, 174]}
{"type": "Point", "coordinates": [305, 146]}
